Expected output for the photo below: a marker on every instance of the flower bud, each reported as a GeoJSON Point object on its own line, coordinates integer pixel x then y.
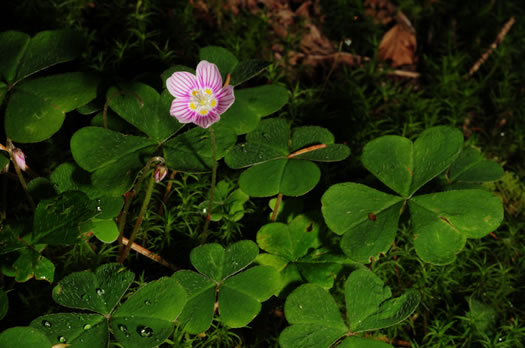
{"type": "Point", "coordinates": [20, 158]}
{"type": "Point", "coordinates": [160, 173]}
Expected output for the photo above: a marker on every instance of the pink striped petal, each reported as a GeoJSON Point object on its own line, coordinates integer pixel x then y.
{"type": "Point", "coordinates": [181, 83]}
{"type": "Point", "coordinates": [180, 110]}
{"type": "Point", "coordinates": [208, 120]}
{"type": "Point", "coordinates": [208, 75]}
{"type": "Point", "coordinates": [225, 98]}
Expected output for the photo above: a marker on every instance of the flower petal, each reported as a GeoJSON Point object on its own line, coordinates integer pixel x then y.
{"type": "Point", "coordinates": [208, 120]}
{"type": "Point", "coordinates": [208, 75]}
{"type": "Point", "coordinates": [225, 98]}
{"type": "Point", "coordinates": [181, 111]}
{"type": "Point", "coordinates": [181, 83]}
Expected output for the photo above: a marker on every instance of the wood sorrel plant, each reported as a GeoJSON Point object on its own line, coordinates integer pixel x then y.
{"type": "Point", "coordinates": [138, 136]}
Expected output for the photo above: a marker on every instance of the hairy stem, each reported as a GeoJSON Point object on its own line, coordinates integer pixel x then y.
{"type": "Point", "coordinates": [276, 206]}
{"type": "Point", "coordinates": [204, 234]}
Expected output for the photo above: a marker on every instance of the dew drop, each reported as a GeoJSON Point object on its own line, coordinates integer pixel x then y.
{"type": "Point", "coordinates": [100, 292]}
{"type": "Point", "coordinates": [122, 328]}
{"type": "Point", "coordinates": [147, 302]}
{"type": "Point", "coordinates": [62, 339]}
{"type": "Point", "coordinates": [145, 331]}
{"type": "Point", "coordinates": [87, 327]}
{"type": "Point", "coordinates": [127, 334]}
{"type": "Point", "coordinates": [300, 306]}
{"type": "Point", "coordinates": [84, 297]}
{"type": "Point", "coordinates": [68, 325]}
{"type": "Point", "coordinates": [46, 323]}
{"type": "Point", "coordinates": [99, 209]}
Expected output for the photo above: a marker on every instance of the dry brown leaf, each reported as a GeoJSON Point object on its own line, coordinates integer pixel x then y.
{"type": "Point", "coordinates": [382, 11]}
{"type": "Point", "coordinates": [399, 43]}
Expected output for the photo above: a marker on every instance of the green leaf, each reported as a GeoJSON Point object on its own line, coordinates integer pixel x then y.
{"type": "Point", "coordinates": [78, 329]}
{"type": "Point", "coordinates": [4, 304]}
{"type": "Point", "coordinates": [105, 230]}
{"type": "Point", "coordinates": [17, 337]}
{"type": "Point", "coordinates": [48, 48]}
{"type": "Point", "coordinates": [470, 166]}
{"type": "Point", "coordinates": [31, 264]}
{"type": "Point", "coordinates": [359, 342]}
{"type": "Point", "coordinates": [367, 218]}
{"type": "Point", "coordinates": [41, 188]}
{"type": "Point", "coordinates": [191, 151]}
{"type": "Point", "coordinates": [95, 148]}
{"type": "Point", "coordinates": [251, 104]}
{"type": "Point", "coordinates": [368, 302]}
{"type": "Point", "coordinates": [482, 316]}
{"type": "Point", "coordinates": [243, 291]}
{"type": "Point", "coordinates": [37, 108]}
{"type": "Point", "coordinates": [70, 177]}
{"type": "Point", "coordinates": [321, 267]}
{"type": "Point", "coordinates": [227, 202]}
{"type": "Point", "coordinates": [245, 70]}
{"type": "Point", "coordinates": [314, 317]}
{"type": "Point", "coordinates": [405, 166]}
{"type": "Point", "coordinates": [218, 263]}
{"type": "Point", "coordinates": [272, 154]}
{"type": "Point", "coordinates": [289, 177]}
{"type": "Point", "coordinates": [146, 318]}
{"type": "Point", "coordinates": [201, 292]}
{"type": "Point", "coordinates": [13, 45]}
{"type": "Point", "coordinates": [442, 221]}
{"type": "Point", "coordinates": [57, 220]}
{"type": "Point", "coordinates": [3, 92]}
{"type": "Point", "coordinates": [224, 59]}
{"type": "Point", "coordinates": [241, 296]}
{"type": "Point", "coordinates": [99, 291]}
{"type": "Point", "coordinates": [114, 158]}
{"type": "Point", "coordinates": [143, 107]}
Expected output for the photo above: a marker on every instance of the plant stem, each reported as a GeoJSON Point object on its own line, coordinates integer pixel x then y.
{"type": "Point", "coordinates": [145, 204]}
{"type": "Point", "coordinates": [167, 192]}
{"type": "Point", "coordinates": [276, 206]}
{"type": "Point", "coordinates": [212, 187]}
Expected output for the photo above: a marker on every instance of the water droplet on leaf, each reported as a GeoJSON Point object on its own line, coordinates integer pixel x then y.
{"type": "Point", "coordinates": [84, 297]}
{"type": "Point", "coordinates": [122, 328]}
{"type": "Point", "coordinates": [100, 292]}
{"type": "Point", "coordinates": [46, 323]}
{"type": "Point", "coordinates": [145, 331]}
{"type": "Point", "coordinates": [68, 325]}
{"type": "Point", "coordinates": [147, 302]}
{"type": "Point", "coordinates": [62, 339]}
{"type": "Point", "coordinates": [87, 327]}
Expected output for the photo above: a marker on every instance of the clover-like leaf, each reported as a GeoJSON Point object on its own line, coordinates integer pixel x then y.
{"type": "Point", "coordinates": [252, 104]}
{"type": "Point", "coordinates": [471, 166]}
{"type": "Point", "coordinates": [78, 329]}
{"type": "Point", "coordinates": [17, 337]}
{"type": "Point", "coordinates": [227, 202]}
{"type": "Point", "coordinates": [218, 267]}
{"type": "Point", "coordinates": [443, 221]}
{"type": "Point", "coordinates": [146, 318]}
{"type": "Point", "coordinates": [293, 250]}
{"type": "Point", "coordinates": [23, 56]}
{"type": "Point", "coordinates": [367, 218]}
{"type": "Point", "coordinates": [30, 263]}
{"type": "Point", "coordinates": [110, 156]}
{"type": "Point", "coordinates": [316, 321]}
{"type": "Point", "coordinates": [274, 155]}
{"type": "Point", "coordinates": [360, 342]}
{"type": "Point", "coordinates": [57, 220]}
{"type": "Point", "coordinates": [369, 305]}
{"type": "Point", "coordinates": [36, 109]}
{"type": "Point", "coordinates": [405, 166]}
{"type": "Point", "coordinates": [99, 291]}
{"type": "Point", "coordinates": [314, 317]}
{"type": "Point", "coordinates": [144, 108]}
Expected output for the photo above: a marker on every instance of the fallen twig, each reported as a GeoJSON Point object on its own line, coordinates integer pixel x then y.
{"type": "Point", "coordinates": [503, 32]}
{"type": "Point", "coordinates": [149, 254]}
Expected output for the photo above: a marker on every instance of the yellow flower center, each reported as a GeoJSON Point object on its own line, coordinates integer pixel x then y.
{"type": "Point", "coordinates": [202, 101]}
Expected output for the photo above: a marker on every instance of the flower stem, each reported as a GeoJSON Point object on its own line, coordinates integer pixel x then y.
{"type": "Point", "coordinates": [204, 234]}
{"type": "Point", "coordinates": [276, 206]}
{"type": "Point", "coordinates": [145, 204]}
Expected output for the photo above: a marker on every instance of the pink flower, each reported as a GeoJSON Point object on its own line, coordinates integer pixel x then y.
{"type": "Point", "coordinates": [199, 98]}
